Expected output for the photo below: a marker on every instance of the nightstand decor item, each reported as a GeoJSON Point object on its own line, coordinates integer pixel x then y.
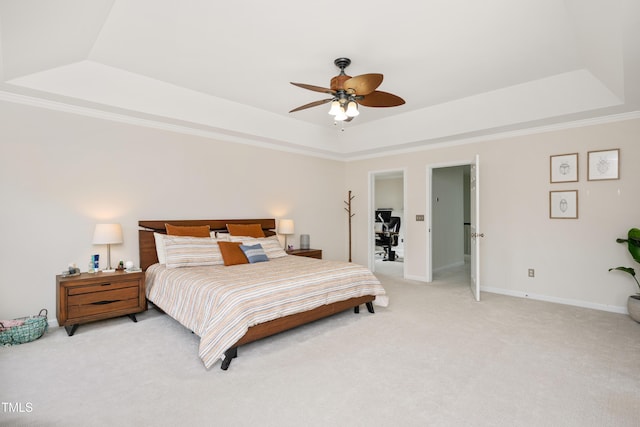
{"type": "Point", "coordinates": [107, 234]}
{"type": "Point", "coordinates": [94, 264]}
{"type": "Point", "coordinates": [304, 241]}
{"type": "Point", "coordinates": [24, 329]}
{"type": "Point", "coordinates": [285, 227]}
{"type": "Point", "coordinates": [72, 270]}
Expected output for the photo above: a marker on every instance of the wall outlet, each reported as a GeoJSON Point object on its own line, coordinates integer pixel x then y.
{"type": "Point", "coordinates": [532, 272]}
{"type": "Point", "coordinates": [419, 217]}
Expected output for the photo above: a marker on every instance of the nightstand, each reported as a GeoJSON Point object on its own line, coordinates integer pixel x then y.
{"type": "Point", "coordinates": [311, 253]}
{"type": "Point", "coordinates": [96, 296]}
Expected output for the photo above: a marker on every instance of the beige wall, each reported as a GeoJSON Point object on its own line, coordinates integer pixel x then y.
{"type": "Point", "coordinates": [570, 257]}
{"type": "Point", "coordinates": [60, 174]}
{"type": "Point", "coordinates": [389, 194]}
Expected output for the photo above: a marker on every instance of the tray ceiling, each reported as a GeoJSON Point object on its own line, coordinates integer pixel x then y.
{"type": "Point", "coordinates": [222, 69]}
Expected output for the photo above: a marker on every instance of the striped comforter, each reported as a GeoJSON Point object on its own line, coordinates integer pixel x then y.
{"type": "Point", "coordinates": [220, 303]}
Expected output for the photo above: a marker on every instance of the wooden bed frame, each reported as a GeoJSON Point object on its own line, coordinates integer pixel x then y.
{"type": "Point", "coordinates": [148, 257]}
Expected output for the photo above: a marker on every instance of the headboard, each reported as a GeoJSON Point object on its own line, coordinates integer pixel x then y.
{"type": "Point", "coordinates": [147, 243]}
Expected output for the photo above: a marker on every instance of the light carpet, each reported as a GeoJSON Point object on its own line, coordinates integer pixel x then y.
{"type": "Point", "coordinates": [433, 357]}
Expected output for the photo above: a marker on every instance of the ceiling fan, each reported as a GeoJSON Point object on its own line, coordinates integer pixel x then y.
{"type": "Point", "coordinates": [347, 93]}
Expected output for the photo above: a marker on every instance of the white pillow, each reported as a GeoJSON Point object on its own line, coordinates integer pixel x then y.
{"type": "Point", "coordinates": [271, 245]}
{"type": "Point", "coordinates": [223, 237]}
{"type": "Point", "coordinates": [183, 251]}
{"type": "Point", "coordinates": [160, 251]}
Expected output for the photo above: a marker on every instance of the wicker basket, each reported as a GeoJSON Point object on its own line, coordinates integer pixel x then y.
{"type": "Point", "coordinates": [32, 329]}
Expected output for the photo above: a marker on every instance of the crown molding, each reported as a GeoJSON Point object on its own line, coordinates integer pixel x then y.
{"type": "Point", "coordinates": [161, 124]}
{"type": "Point", "coordinates": [239, 138]}
{"type": "Point", "coordinates": [533, 130]}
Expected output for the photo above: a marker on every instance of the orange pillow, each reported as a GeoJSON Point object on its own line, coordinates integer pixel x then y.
{"type": "Point", "coordinates": [249, 230]}
{"type": "Point", "coordinates": [192, 231]}
{"type": "Point", "coordinates": [232, 254]}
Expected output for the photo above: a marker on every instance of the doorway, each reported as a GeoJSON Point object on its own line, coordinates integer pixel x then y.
{"type": "Point", "coordinates": [450, 220]}
{"type": "Point", "coordinates": [387, 249]}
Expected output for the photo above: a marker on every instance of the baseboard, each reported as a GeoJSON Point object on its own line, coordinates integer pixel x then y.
{"type": "Point", "coordinates": [53, 323]}
{"type": "Point", "coordinates": [565, 301]}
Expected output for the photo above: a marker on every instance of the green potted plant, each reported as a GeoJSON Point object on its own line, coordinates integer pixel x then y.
{"type": "Point", "coordinates": [633, 244]}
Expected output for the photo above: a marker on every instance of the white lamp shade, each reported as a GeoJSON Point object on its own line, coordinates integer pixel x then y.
{"type": "Point", "coordinates": [340, 116]}
{"type": "Point", "coordinates": [352, 109]}
{"type": "Point", "coordinates": [285, 226]}
{"type": "Point", "coordinates": [107, 234]}
{"type": "Point", "coordinates": [335, 108]}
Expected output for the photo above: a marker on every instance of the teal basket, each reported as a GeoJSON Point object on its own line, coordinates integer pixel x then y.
{"type": "Point", "coordinates": [32, 329]}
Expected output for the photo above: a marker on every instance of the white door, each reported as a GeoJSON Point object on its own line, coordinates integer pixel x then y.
{"type": "Point", "coordinates": [476, 235]}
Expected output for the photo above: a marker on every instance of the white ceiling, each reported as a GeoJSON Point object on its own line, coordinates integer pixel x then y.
{"type": "Point", "coordinates": [222, 69]}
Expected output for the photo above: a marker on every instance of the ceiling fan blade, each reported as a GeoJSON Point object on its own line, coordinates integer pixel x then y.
{"type": "Point", "coordinates": [314, 88]}
{"type": "Point", "coordinates": [381, 99]}
{"type": "Point", "coordinates": [363, 84]}
{"type": "Point", "coordinates": [311, 104]}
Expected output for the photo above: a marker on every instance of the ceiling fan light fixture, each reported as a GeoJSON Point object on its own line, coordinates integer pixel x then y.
{"type": "Point", "coordinates": [335, 108]}
{"type": "Point", "coordinates": [352, 109]}
{"type": "Point", "coordinates": [348, 93]}
{"type": "Point", "coordinates": [341, 116]}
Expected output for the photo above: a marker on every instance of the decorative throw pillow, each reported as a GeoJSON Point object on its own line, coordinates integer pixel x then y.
{"type": "Point", "coordinates": [184, 251]}
{"type": "Point", "coordinates": [232, 254]}
{"type": "Point", "coordinates": [249, 230]}
{"type": "Point", "coordinates": [254, 253]}
{"type": "Point", "coordinates": [270, 245]}
{"type": "Point", "coordinates": [190, 230]}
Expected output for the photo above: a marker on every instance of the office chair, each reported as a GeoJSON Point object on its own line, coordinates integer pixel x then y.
{"type": "Point", "coordinates": [388, 239]}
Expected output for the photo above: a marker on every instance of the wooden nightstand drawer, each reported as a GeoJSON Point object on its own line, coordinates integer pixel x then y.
{"type": "Point", "coordinates": [102, 287]}
{"type": "Point", "coordinates": [89, 304]}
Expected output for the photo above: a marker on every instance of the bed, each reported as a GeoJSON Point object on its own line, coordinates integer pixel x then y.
{"type": "Point", "coordinates": [228, 306]}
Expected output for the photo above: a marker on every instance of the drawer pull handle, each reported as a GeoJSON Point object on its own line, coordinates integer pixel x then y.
{"type": "Point", "coordinates": [104, 302]}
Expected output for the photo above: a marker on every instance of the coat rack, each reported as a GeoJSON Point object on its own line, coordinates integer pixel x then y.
{"type": "Point", "coordinates": [348, 209]}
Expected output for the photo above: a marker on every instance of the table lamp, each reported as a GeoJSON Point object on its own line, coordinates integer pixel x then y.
{"type": "Point", "coordinates": [107, 234]}
{"type": "Point", "coordinates": [285, 227]}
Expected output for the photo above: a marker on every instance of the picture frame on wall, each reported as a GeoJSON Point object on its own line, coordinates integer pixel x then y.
{"type": "Point", "coordinates": [563, 204]}
{"type": "Point", "coordinates": [564, 168]}
{"type": "Point", "coordinates": [603, 165]}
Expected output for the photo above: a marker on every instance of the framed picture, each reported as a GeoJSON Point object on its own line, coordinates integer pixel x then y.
{"type": "Point", "coordinates": [564, 168]}
{"type": "Point", "coordinates": [563, 204]}
{"type": "Point", "coordinates": [604, 164]}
